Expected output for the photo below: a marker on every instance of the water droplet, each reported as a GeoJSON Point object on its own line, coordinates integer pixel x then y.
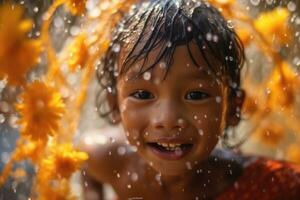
{"type": "Point", "coordinates": [129, 186]}
{"type": "Point", "coordinates": [158, 177]}
{"type": "Point", "coordinates": [291, 6]}
{"type": "Point", "coordinates": [75, 30]}
{"type": "Point", "coordinates": [36, 9]}
{"type": "Point", "coordinates": [195, 117]}
{"type": "Point", "coordinates": [134, 177]}
{"type": "Point", "coordinates": [4, 107]}
{"type": "Point", "coordinates": [230, 24]}
{"type": "Point", "coordinates": [121, 150]}
{"type": "Point", "coordinates": [147, 76]}
{"type": "Point", "coordinates": [218, 99]}
{"type": "Point", "coordinates": [200, 131]}
{"type": "Point", "coordinates": [188, 165]}
{"type": "Point", "coordinates": [118, 175]}
{"type": "Point", "coordinates": [189, 28]}
{"type": "Point", "coordinates": [162, 65]}
{"type": "Point", "coordinates": [58, 22]}
{"type": "Point", "coordinates": [169, 44]}
{"type": "Point", "coordinates": [269, 2]}
{"type": "Point", "coordinates": [215, 38]}
{"type": "Point", "coordinates": [116, 48]}
{"type": "Point", "coordinates": [5, 157]}
{"type": "Point", "coordinates": [255, 2]}
{"type": "Point", "coordinates": [209, 36]}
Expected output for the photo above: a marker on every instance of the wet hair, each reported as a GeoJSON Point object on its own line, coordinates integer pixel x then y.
{"type": "Point", "coordinates": [164, 25]}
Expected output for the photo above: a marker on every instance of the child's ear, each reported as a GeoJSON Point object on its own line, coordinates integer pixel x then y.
{"type": "Point", "coordinates": [112, 100]}
{"type": "Point", "coordinates": [236, 100]}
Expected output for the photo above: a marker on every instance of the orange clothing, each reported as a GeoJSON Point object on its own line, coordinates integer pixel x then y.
{"type": "Point", "coordinates": [266, 179]}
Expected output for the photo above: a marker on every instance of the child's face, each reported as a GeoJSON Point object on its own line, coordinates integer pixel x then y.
{"type": "Point", "coordinates": [174, 122]}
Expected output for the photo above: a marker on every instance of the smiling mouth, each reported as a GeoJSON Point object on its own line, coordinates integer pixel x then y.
{"type": "Point", "coordinates": [170, 151]}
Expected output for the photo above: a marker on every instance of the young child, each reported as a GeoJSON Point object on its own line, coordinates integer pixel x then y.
{"type": "Point", "coordinates": [172, 77]}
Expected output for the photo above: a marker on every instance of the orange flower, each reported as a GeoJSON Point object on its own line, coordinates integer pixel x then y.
{"type": "Point", "coordinates": [273, 26]}
{"type": "Point", "coordinates": [64, 160]}
{"type": "Point", "coordinates": [244, 35]}
{"type": "Point", "coordinates": [32, 150]}
{"type": "Point", "coordinates": [41, 109]}
{"type": "Point", "coordinates": [17, 53]}
{"type": "Point", "coordinates": [77, 53]}
{"type": "Point", "coordinates": [76, 7]}
{"type": "Point", "coordinates": [282, 86]}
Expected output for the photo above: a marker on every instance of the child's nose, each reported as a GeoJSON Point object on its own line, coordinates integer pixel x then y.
{"type": "Point", "coordinates": [168, 116]}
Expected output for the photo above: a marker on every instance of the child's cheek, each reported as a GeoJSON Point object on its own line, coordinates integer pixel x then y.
{"type": "Point", "coordinates": [133, 120]}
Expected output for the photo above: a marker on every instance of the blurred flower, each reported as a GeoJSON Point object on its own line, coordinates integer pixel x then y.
{"type": "Point", "coordinates": [77, 53]}
{"type": "Point", "coordinates": [281, 86]}
{"type": "Point", "coordinates": [76, 7]}
{"type": "Point", "coordinates": [64, 160]}
{"type": "Point", "coordinates": [293, 153]}
{"type": "Point", "coordinates": [32, 150]}
{"type": "Point", "coordinates": [244, 35]}
{"type": "Point", "coordinates": [41, 109]}
{"type": "Point", "coordinates": [273, 26]}
{"type": "Point", "coordinates": [18, 54]}
{"type": "Point", "coordinates": [57, 190]}
{"type": "Point", "coordinates": [270, 134]}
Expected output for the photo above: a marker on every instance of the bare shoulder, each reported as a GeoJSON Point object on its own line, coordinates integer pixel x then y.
{"type": "Point", "coordinates": [108, 153]}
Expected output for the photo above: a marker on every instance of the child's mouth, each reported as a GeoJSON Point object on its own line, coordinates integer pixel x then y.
{"type": "Point", "coordinates": [170, 151]}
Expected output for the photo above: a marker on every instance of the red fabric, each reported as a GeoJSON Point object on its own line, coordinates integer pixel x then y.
{"type": "Point", "coordinates": [266, 179]}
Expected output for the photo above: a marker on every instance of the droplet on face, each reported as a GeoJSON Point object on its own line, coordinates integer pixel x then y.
{"type": "Point", "coordinates": [218, 99]}
{"type": "Point", "coordinates": [162, 65]}
{"type": "Point", "coordinates": [180, 121]}
{"type": "Point", "coordinates": [189, 28]}
{"type": "Point", "coordinates": [200, 131]}
{"type": "Point", "coordinates": [118, 175]}
{"type": "Point", "coordinates": [134, 177]}
{"type": "Point", "coordinates": [147, 76]}
{"type": "Point", "coordinates": [195, 117]}
{"type": "Point", "coordinates": [158, 177]}
{"type": "Point", "coordinates": [121, 150]}
{"type": "Point", "coordinates": [129, 186]}
{"type": "Point", "coordinates": [188, 165]}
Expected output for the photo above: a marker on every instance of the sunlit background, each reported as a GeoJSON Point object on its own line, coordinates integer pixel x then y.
{"type": "Point", "coordinates": [48, 87]}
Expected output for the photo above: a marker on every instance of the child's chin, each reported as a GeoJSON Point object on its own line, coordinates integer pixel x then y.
{"type": "Point", "coordinates": [171, 168]}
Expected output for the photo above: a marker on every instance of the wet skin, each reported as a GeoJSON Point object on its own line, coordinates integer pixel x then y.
{"type": "Point", "coordinates": [186, 109]}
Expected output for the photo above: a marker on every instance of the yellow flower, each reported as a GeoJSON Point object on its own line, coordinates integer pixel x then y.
{"type": "Point", "coordinates": [77, 53]}
{"type": "Point", "coordinates": [18, 54]}
{"type": "Point", "coordinates": [64, 160]}
{"type": "Point", "coordinates": [273, 26]}
{"type": "Point", "coordinates": [76, 6]}
{"type": "Point", "coordinates": [41, 109]}
{"type": "Point", "coordinates": [281, 86]}
{"type": "Point", "coordinates": [293, 153]}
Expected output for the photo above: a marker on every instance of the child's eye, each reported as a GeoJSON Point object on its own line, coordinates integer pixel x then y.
{"type": "Point", "coordinates": [142, 94]}
{"type": "Point", "coordinates": [196, 95]}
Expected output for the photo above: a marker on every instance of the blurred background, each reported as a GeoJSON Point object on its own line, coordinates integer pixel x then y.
{"type": "Point", "coordinates": [271, 130]}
